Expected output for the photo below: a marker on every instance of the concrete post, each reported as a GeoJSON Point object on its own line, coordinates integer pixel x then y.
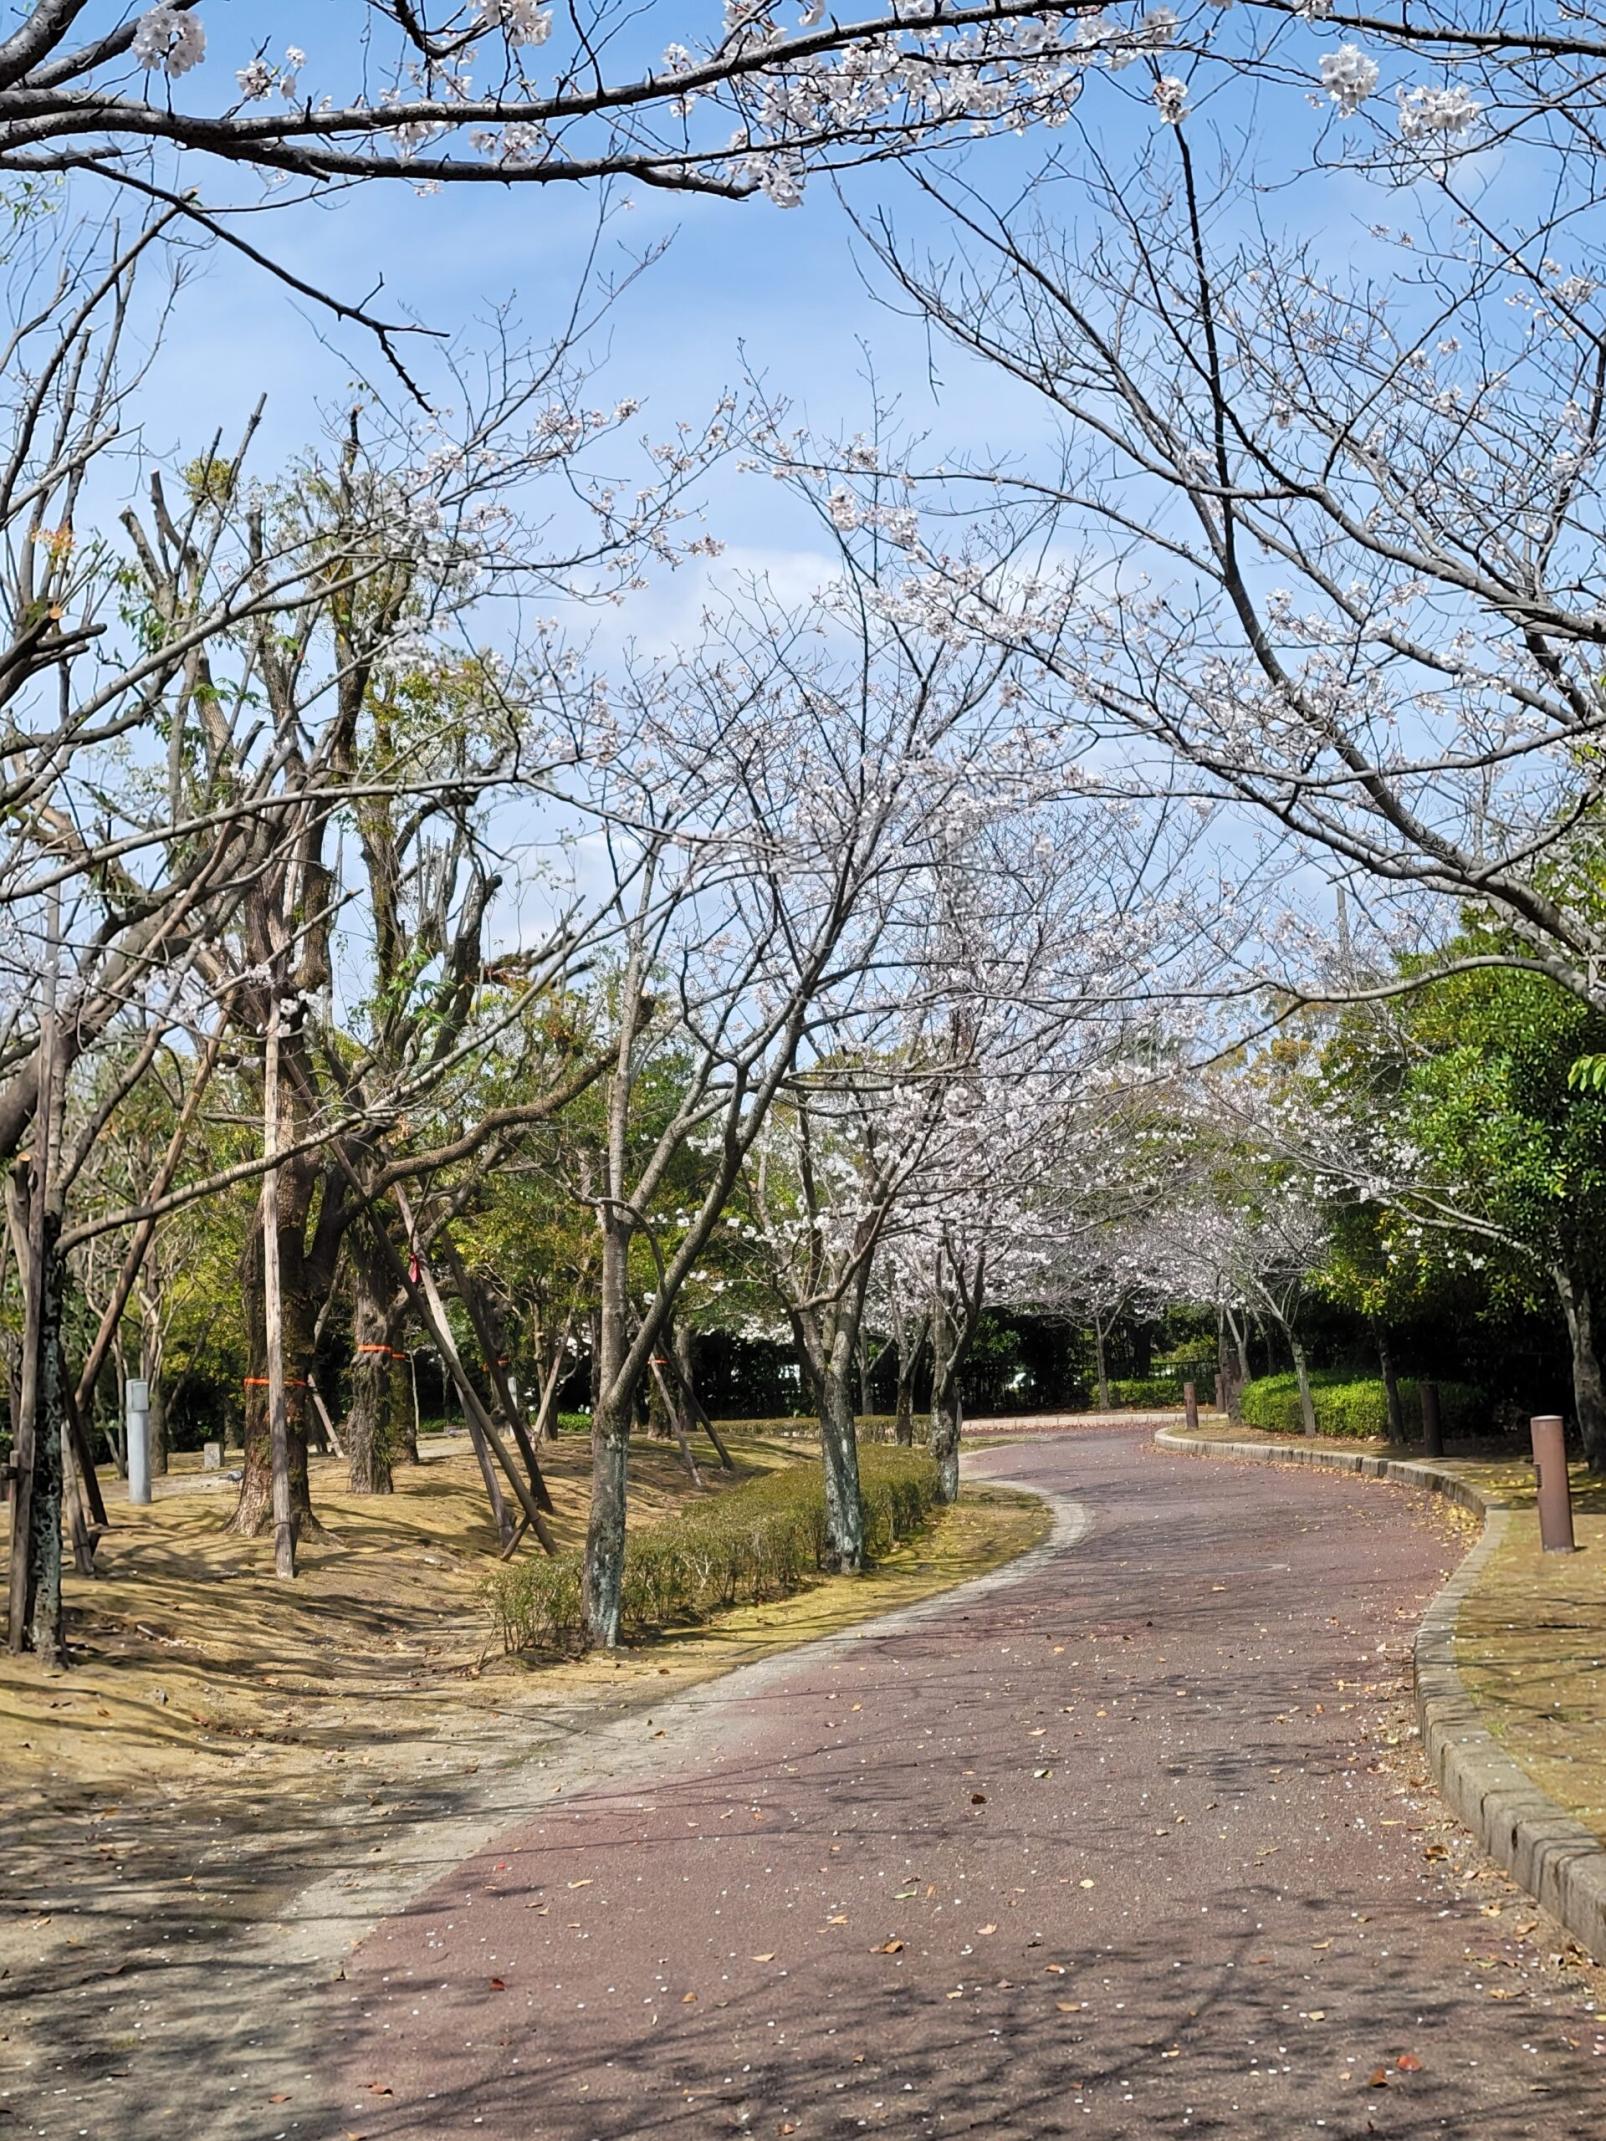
{"type": "Point", "coordinates": [137, 1406]}
{"type": "Point", "coordinates": [1555, 1488]}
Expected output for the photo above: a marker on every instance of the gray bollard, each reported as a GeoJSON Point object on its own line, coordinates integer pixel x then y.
{"type": "Point", "coordinates": [137, 1410]}
{"type": "Point", "coordinates": [1555, 1488]}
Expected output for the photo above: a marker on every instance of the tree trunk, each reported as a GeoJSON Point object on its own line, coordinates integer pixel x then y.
{"type": "Point", "coordinates": [605, 1532]}
{"type": "Point", "coordinates": [684, 1380]}
{"type": "Point", "coordinates": [1391, 1384]}
{"type": "Point", "coordinates": [612, 1408]}
{"type": "Point", "coordinates": [660, 1419]}
{"type": "Point", "coordinates": [1101, 1367]}
{"type": "Point", "coordinates": [1234, 1354]}
{"type": "Point", "coordinates": [594, 1363]}
{"type": "Point", "coordinates": [1589, 1389]}
{"type": "Point", "coordinates": [945, 1428]}
{"type": "Point", "coordinates": [945, 1413]}
{"type": "Point", "coordinates": [255, 1506]}
{"type": "Point", "coordinates": [37, 1621]}
{"type": "Point", "coordinates": [371, 1418]}
{"type": "Point", "coordinates": [1307, 1403]}
{"type": "Point", "coordinates": [831, 1350]}
{"type": "Point", "coordinates": [150, 1368]}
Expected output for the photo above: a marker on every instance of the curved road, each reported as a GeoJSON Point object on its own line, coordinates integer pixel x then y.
{"type": "Point", "coordinates": [1114, 1846]}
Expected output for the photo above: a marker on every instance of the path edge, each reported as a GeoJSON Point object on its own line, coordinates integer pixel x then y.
{"type": "Point", "coordinates": [1560, 1863]}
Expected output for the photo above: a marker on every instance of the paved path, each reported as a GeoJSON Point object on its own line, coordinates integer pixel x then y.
{"type": "Point", "coordinates": [1109, 1849]}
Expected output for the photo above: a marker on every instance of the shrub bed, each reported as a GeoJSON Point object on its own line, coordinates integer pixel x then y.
{"type": "Point", "coordinates": [758, 1541]}
{"type": "Point", "coordinates": [1357, 1407]}
{"type": "Point", "coordinates": [1146, 1390]}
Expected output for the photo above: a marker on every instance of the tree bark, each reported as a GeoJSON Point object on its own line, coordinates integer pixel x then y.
{"type": "Point", "coordinates": [839, 1451]}
{"type": "Point", "coordinates": [298, 1317]}
{"type": "Point", "coordinates": [1391, 1383]}
{"type": "Point", "coordinates": [369, 1428]}
{"type": "Point", "coordinates": [150, 1367]}
{"type": "Point", "coordinates": [1101, 1365]}
{"type": "Point", "coordinates": [613, 1409]}
{"type": "Point", "coordinates": [37, 1619]}
{"type": "Point", "coordinates": [1589, 1387]}
{"type": "Point", "coordinates": [945, 1430]}
{"type": "Point", "coordinates": [1307, 1403]}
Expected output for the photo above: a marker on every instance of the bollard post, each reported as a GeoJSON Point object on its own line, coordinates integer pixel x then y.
{"type": "Point", "coordinates": [1221, 1396]}
{"type": "Point", "coordinates": [1190, 1406]}
{"type": "Point", "coordinates": [137, 1406]}
{"type": "Point", "coordinates": [1555, 1488]}
{"type": "Point", "coordinates": [1432, 1428]}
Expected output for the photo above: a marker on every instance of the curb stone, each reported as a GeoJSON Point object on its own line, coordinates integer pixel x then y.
{"type": "Point", "coordinates": [1556, 1859]}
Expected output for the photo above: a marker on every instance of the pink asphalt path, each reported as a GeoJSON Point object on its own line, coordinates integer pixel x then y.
{"type": "Point", "coordinates": [1109, 1849]}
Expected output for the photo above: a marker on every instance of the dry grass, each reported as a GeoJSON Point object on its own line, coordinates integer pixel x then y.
{"type": "Point", "coordinates": [194, 1660]}
{"type": "Point", "coordinates": [1532, 1645]}
{"type": "Point", "coordinates": [196, 1664]}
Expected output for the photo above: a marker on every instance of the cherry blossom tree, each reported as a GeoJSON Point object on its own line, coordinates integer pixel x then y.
{"type": "Point", "coordinates": [1315, 544]}
{"type": "Point", "coordinates": [514, 92]}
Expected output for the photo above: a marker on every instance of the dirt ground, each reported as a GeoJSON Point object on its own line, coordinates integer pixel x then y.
{"type": "Point", "coordinates": [194, 1661]}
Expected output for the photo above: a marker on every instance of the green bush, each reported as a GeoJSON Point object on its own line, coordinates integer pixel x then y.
{"type": "Point", "coordinates": [758, 1541]}
{"type": "Point", "coordinates": [1357, 1406]}
{"type": "Point", "coordinates": [1146, 1390]}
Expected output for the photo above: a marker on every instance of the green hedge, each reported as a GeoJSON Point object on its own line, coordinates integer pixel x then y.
{"type": "Point", "coordinates": [761, 1540]}
{"type": "Point", "coordinates": [1146, 1390]}
{"type": "Point", "coordinates": [1357, 1407]}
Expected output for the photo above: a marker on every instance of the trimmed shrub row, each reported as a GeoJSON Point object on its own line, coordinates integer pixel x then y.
{"type": "Point", "coordinates": [758, 1541]}
{"type": "Point", "coordinates": [1357, 1407]}
{"type": "Point", "coordinates": [1146, 1390]}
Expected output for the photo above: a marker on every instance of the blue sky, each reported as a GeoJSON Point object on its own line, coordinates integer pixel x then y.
{"type": "Point", "coordinates": [743, 284]}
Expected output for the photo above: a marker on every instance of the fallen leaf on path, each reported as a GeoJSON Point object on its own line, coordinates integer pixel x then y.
{"type": "Point", "coordinates": [987, 1929]}
{"type": "Point", "coordinates": [769, 1958]}
{"type": "Point", "coordinates": [379, 2088]}
{"type": "Point", "coordinates": [1378, 2078]}
{"type": "Point", "coordinates": [1087, 1884]}
{"type": "Point", "coordinates": [580, 1884]}
{"type": "Point", "coordinates": [687, 1998]}
{"type": "Point", "coordinates": [1069, 2007]}
{"type": "Point", "coordinates": [279, 2096]}
{"type": "Point", "coordinates": [499, 1984]}
{"type": "Point", "coordinates": [888, 1947]}
{"type": "Point", "coordinates": [978, 1798]}
{"type": "Point", "coordinates": [1408, 2063]}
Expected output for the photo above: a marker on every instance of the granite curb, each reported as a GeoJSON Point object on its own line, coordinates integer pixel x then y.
{"type": "Point", "coordinates": [1556, 1859]}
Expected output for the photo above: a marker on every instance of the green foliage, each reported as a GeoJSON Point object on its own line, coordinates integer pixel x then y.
{"type": "Point", "coordinates": [759, 1541]}
{"type": "Point", "coordinates": [1144, 1390]}
{"type": "Point", "coordinates": [1357, 1407]}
